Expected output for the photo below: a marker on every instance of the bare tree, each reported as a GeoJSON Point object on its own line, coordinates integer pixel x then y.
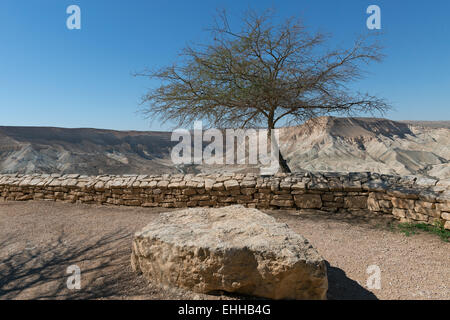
{"type": "Point", "coordinates": [263, 75]}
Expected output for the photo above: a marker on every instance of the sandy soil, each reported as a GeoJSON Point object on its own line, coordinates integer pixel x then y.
{"type": "Point", "coordinates": [39, 240]}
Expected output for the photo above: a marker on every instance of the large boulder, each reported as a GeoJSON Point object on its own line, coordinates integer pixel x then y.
{"type": "Point", "coordinates": [232, 249]}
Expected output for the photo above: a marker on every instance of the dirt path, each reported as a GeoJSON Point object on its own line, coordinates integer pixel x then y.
{"type": "Point", "coordinates": [39, 240]}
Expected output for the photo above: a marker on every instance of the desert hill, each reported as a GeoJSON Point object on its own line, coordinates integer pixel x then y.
{"type": "Point", "coordinates": [323, 144]}
{"type": "Point", "coordinates": [87, 151]}
{"type": "Point", "coordinates": [369, 144]}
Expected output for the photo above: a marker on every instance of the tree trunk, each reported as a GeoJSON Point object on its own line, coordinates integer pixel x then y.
{"type": "Point", "coordinates": [282, 162]}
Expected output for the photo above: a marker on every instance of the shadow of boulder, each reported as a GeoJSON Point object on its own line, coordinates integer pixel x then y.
{"type": "Point", "coordinates": [341, 287]}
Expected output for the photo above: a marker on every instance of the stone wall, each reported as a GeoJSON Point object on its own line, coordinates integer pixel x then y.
{"type": "Point", "coordinates": [406, 198]}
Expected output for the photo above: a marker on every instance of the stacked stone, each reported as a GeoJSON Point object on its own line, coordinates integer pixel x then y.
{"type": "Point", "coordinates": [406, 198]}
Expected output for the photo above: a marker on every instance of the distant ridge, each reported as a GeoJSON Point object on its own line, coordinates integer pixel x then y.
{"type": "Point", "coordinates": [369, 144]}
{"type": "Point", "coordinates": [84, 150]}
{"type": "Point", "coordinates": [429, 124]}
{"type": "Point", "coordinates": [322, 144]}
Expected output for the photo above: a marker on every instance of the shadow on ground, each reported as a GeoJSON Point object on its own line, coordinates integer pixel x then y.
{"type": "Point", "coordinates": [39, 272]}
{"type": "Point", "coordinates": [340, 287]}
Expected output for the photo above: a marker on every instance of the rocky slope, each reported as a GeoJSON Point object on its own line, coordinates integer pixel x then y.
{"type": "Point", "coordinates": [86, 151]}
{"type": "Point", "coordinates": [324, 144]}
{"type": "Point", "coordinates": [369, 144]}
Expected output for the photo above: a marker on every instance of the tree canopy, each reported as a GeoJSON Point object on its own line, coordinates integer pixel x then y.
{"type": "Point", "coordinates": [265, 74]}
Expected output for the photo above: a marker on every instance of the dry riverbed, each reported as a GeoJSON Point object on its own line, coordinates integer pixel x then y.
{"type": "Point", "coordinates": [39, 240]}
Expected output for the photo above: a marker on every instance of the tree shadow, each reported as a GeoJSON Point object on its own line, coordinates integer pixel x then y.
{"type": "Point", "coordinates": [40, 272]}
{"type": "Point", "coordinates": [340, 287]}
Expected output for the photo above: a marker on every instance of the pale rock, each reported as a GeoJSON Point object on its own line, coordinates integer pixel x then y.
{"type": "Point", "coordinates": [308, 201]}
{"type": "Point", "coordinates": [403, 203]}
{"type": "Point", "coordinates": [355, 202]}
{"type": "Point", "coordinates": [231, 185]}
{"type": "Point", "coordinates": [232, 249]}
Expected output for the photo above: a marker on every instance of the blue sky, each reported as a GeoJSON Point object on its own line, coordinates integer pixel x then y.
{"type": "Point", "coordinates": [52, 76]}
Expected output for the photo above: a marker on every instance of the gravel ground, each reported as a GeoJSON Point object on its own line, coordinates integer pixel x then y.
{"type": "Point", "coordinates": [39, 240]}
